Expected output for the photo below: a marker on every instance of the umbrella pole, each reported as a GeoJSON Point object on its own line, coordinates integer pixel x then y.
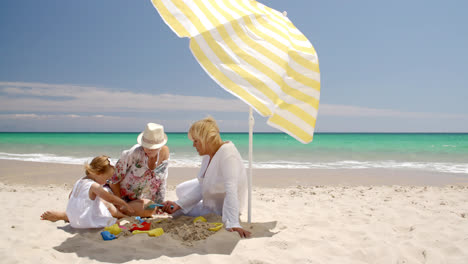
{"type": "Point", "coordinates": [251, 125]}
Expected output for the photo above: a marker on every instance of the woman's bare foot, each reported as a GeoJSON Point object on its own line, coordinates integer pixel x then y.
{"type": "Point", "coordinates": [54, 216]}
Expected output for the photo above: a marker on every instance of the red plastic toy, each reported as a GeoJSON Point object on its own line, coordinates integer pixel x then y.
{"type": "Point", "coordinates": [145, 226]}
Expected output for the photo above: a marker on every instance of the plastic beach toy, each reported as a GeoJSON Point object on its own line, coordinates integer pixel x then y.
{"type": "Point", "coordinates": [113, 229]}
{"type": "Point", "coordinates": [106, 235]}
{"type": "Point", "coordinates": [152, 206]}
{"type": "Point", "coordinates": [144, 226]}
{"type": "Point", "coordinates": [153, 232]}
{"type": "Point", "coordinates": [213, 226]}
{"type": "Point", "coordinates": [139, 219]}
{"type": "Point", "coordinates": [199, 219]}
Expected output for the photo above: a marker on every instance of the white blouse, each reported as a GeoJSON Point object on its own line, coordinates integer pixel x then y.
{"type": "Point", "coordinates": [222, 185]}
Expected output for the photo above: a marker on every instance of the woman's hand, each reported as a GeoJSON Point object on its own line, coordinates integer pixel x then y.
{"type": "Point", "coordinates": [242, 232]}
{"type": "Point", "coordinates": [170, 207]}
{"type": "Point", "coordinates": [127, 209]}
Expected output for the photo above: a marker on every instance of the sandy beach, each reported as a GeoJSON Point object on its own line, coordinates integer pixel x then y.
{"type": "Point", "coordinates": [299, 216]}
{"type": "Point", "coordinates": [352, 117]}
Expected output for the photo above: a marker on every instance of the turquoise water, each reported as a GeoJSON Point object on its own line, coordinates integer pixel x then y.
{"type": "Point", "coordinates": [436, 152]}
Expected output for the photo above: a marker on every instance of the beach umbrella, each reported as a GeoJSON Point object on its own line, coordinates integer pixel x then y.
{"type": "Point", "coordinates": [255, 53]}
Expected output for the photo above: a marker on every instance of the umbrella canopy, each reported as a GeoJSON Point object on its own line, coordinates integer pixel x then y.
{"type": "Point", "coordinates": [256, 54]}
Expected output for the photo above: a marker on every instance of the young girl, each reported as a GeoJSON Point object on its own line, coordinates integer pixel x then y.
{"type": "Point", "coordinates": [90, 205]}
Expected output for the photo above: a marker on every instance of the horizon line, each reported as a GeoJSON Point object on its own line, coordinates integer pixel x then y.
{"type": "Point", "coordinates": [231, 132]}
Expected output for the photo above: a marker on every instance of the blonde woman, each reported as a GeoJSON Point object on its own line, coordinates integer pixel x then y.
{"type": "Point", "coordinates": [221, 185]}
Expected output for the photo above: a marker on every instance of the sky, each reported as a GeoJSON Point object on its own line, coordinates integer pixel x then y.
{"type": "Point", "coordinates": [113, 66]}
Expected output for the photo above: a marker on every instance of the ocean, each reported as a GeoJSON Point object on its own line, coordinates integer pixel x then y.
{"type": "Point", "coordinates": [430, 152]}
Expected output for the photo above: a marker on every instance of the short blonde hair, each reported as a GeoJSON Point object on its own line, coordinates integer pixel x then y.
{"type": "Point", "coordinates": [99, 165]}
{"type": "Point", "coordinates": [206, 131]}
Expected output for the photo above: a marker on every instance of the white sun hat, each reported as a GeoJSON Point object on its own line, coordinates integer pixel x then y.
{"type": "Point", "coordinates": [153, 137]}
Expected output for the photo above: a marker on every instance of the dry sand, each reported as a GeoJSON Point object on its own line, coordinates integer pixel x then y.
{"type": "Point", "coordinates": [299, 216]}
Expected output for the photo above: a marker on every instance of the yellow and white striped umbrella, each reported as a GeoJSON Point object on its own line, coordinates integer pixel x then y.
{"type": "Point", "coordinates": [255, 53]}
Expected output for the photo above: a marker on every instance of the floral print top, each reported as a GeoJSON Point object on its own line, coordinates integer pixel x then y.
{"type": "Point", "coordinates": [136, 180]}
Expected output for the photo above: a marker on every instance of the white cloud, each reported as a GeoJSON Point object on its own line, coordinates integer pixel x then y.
{"type": "Point", "coordinates": [19, 116]}
{"type": "Point", "coordinates": [40, 97]}
{"type": "Point", "coordinates": [93, 123]}
{"type": "Point", "coordinates": [357, 111]}
{"type": "Point", "coordinates": [55, 116]}
{"type": "Point", "coordinates": [55, 98]}
{"type": "Point", "coordinates": [37, 116]}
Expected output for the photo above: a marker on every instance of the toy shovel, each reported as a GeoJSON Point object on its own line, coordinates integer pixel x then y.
{"type": "Point", "coordinates": [152, 206]}
{"type": "Point", "coordinates": [153, 232]}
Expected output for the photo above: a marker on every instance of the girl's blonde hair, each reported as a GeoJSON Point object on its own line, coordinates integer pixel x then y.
{"type": "Point", "coordinates": [205, 131]}
{"type": "Point", "coordinates": [99, 165]}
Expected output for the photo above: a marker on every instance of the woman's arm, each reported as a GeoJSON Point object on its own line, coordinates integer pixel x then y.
{"type": "Point", "coordinates": [121, 167]}
{"type": "Point", "coordinates": [191, 196]}
{"type": "Point", "coordinates": [231, 171]}
{"type": "Point", "coordinates": [160, 195]}
{"type": "Point", "coordinates": [162, 171]}
{"type": "Point", "coordinates": [115, 189]}
{"type": "Point", "coordinates": [230, 174]}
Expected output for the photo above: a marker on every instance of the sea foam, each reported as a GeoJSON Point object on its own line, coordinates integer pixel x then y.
{"type": "Point", "coordinates": [194, 162]}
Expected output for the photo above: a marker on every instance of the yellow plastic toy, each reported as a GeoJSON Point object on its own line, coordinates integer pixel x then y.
{"type": "Point", "coordinates": [153, 232]}
{"type": "Point", "coordinates": [113, 229]}
{"type": "Point", "coordinates": [199, 219]}
{"type": "Point", "coordinates": [216, 226]}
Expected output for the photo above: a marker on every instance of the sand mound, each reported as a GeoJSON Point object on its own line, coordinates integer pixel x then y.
{"type": "Point", "coordinates": [181, 228]}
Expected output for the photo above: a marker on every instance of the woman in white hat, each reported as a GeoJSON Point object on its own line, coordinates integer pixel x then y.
{"type": "Point", "coordinates": [141, 172]}
{"type": "Point", "coordinates": [221, 185]}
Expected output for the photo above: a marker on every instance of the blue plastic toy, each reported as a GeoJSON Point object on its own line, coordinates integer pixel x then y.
{"type": "Point", "coordinates": [152, 206]}
{"type": "Point", "coordinates": [139, 219]}
{"type": "Point", "coordinates": [106, 235]}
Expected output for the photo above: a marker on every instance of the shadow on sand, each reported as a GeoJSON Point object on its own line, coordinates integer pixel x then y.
{"type": "Point", "coordinates": [89, 244]}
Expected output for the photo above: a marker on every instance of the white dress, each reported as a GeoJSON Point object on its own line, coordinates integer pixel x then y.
{"type": "Point", "coordinates": [83, 212]}
{"type": "Point", "coordinates": [221, 187]}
